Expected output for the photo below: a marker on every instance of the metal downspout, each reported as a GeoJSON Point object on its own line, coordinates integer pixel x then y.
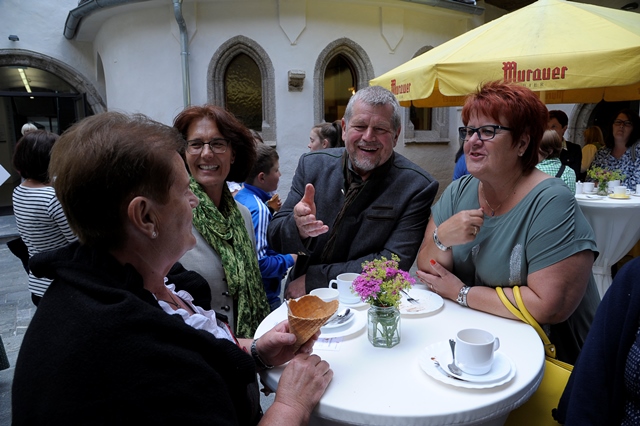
{"type": "Point", "coordinates": [184, 45]}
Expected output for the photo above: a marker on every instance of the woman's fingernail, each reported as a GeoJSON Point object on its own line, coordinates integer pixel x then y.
{"type": "Point", "coordinates": [433, 262]}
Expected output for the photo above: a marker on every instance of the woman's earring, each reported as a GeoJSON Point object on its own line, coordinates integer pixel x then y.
{"type": "Point", "coordinates": [154, 235]}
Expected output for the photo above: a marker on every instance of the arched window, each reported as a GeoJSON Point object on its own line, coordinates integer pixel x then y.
{"type": "Point", "coordinates": [243, 91]}
{"type": "Point", "coordinates": [241, 78]}
{"type": "Point", "coordinates": [339, 85]}
{"type": "Point", "coordinates": [423, 125]}
{"type": "Point", "coordinates": [342, 67]}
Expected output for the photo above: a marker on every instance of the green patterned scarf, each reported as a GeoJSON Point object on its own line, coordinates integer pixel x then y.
{"type": "Point", "coordinates": [225, 232]}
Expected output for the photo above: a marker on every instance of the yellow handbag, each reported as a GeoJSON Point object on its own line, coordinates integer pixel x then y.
{"type": "Point", "coordinates": [537, 410]}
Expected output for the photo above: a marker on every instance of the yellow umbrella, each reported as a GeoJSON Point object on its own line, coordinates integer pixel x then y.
{"type": "Point", "coordinates": [568, 52]}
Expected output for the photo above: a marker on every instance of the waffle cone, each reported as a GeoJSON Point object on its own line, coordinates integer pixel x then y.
{"type": "Point", "coordinates": [307, 314]}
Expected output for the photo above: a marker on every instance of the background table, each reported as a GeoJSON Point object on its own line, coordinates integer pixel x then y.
{"type": "Point", "coordinates": [616, 224]}
{"type": "Point", "coordinates": [378, 386]}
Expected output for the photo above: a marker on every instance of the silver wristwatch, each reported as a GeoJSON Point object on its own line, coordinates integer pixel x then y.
{"type": "Point", "coordinates": [437, 241]}
{"type": "Point", "coordinates": [462, 296]}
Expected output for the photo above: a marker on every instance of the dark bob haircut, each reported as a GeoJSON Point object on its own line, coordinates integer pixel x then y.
{"type": "Point", "coordinates": [515, 107]}
{"type": "Point", "coordinates": [632, 116]}
{"type": "Point", "coordinates": [238, 136]}
{"type": "Point", "coordinates": [104, 161]}
{"type": "Point", "coordinates": [32, 154]}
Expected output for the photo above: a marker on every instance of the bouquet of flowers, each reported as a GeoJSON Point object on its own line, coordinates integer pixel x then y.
{"type": "Point", "coordinates": [380, 282]}
{"type": "Point", "coordinates": [603, 177]}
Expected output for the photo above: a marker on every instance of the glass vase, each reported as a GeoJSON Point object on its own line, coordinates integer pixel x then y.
{"type": "Point", "coordinates": [603, 188]}
{"type": "Point", "coordinates": [383, 326]}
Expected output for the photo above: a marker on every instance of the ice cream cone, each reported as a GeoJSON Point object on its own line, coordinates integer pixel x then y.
{"type": "Point", "coordinates": [307, 314]}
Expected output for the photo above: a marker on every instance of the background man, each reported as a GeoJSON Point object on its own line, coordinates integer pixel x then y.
{"type": "Point", "coordinates": [262, 180]}
{"type": "Point", "coordinates": [348, 205]}
{"type": "Point", "coordinates": [571, 154]}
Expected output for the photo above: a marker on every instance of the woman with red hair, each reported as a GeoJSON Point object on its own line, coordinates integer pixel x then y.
{"type": "Point", "coordinates": [509, 224]}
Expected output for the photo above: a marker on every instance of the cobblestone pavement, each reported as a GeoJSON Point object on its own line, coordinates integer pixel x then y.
{"type": "Point", "coordinates": [16, 310]}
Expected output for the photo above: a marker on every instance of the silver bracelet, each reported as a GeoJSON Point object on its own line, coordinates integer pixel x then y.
{"type": "Point", "coordinates": [437, 241]}
{"type": "Point", "coordinates": [462, 296]}
{"type": "Point", "coordinates": [259, 362]}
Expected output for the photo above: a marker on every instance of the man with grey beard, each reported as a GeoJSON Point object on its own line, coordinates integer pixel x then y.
{"type": "Point", "coordinates": [354, 204]}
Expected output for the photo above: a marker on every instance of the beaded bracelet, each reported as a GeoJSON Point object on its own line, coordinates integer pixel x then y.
{"type": "Point", "coordinates": [259, 362]}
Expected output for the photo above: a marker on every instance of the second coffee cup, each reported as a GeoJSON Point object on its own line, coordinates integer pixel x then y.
{"type": "Point", "coordinates": [475, 350]}
{"type": "Point", "coordinates": [343, 283]}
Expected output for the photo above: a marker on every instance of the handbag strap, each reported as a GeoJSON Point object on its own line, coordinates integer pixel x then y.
{"type": "Point", "coordinates": [521, 312]}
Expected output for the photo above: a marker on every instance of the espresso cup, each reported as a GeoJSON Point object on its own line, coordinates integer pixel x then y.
{"type": "Point", "coordinates": [343, 283]}
{"type": "Point", "coordinates": [620, 190]}
{"type": "Point", "coordinates": [587, 187]}
{"type": "Point", "coordinates": [579, 188]}
{"type": "Point", "coordinates": [475, 350]}
{"type": "Point", "coordinates": [638, 189]}
{"type": "Point", "coordinates": [327, 294]}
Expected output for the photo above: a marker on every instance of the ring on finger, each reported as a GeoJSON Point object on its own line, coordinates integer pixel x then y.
{"type": "Point", "coordinates": [475, 230]}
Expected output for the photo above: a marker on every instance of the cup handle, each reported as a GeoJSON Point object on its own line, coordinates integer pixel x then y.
{"type": "Point", "coordinates": [496, 344]}
{"type": "Point", "coordinates": [332, 282]}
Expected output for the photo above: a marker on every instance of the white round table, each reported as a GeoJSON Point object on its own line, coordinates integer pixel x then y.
{"type": "Point", "coordinates": [379, 386]}
{"type": "Point", "coordinates": [616, 224]}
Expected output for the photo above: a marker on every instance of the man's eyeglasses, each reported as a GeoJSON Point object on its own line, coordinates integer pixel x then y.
{"type": "Point", "coordinates": [625, 123]}
{"type": "Point", "coordinates": [485, 133]}
{"type": "Point", "coordinates": [217, 146]}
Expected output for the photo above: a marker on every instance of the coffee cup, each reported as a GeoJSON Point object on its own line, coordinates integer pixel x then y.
{"type": "Point", "coordinates": [475, 350]}
{"type": "Point", "coordinates": [587, 187]}
{"type": "Point", "coordinates": [343, 283]}
{"type": "Point", "coordinates": [579, 187]}
{"type": "Point", "coordinates": [612, 184]}
{"type": "Point", "coordinates": [620, 190]}
{"type": "Point", "coordinates": [327, 294]}
{"type": "Point", "coordinates": [638, 189]}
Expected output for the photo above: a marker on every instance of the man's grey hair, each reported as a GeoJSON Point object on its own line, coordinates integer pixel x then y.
{"type": "Point", "coordinates": [375, 96]}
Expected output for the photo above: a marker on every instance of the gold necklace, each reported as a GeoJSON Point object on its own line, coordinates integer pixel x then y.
{"type": "Point", "coordinates": [493, 211]}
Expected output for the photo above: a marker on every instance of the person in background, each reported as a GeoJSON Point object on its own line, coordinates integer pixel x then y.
{"type": "Point", "coordinates": [353, 204]}
{"type": "Point", "coordinates": [220, 148]}
{"type": "Point", "coordinates": [507, 224]}
{"type": "Point", "coordinates": [326, 135]}
{"type": "Point", "coordinates": [39, 217]}
{"type": "Point", "coordinates": [604, 387]}
{"type": "Point", "coordinates": [548, 155]}
{"type": "Point", "coordinates": [114, 341]}
{"type": "Point", "coordinates": [571, 154]}
{"type": "Point", "coordinates": [593, 141]}
{"type": "Point", "coordinates": [262, 180]}
{"type": "Point", "coordinates": [461, 165]}
{"type": "Point", "coordinates": [622, 150]}
{"type": "Point", "coordinates": [28, 127]}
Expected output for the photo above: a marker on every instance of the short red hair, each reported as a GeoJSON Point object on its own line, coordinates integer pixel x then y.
{"type": "Point", "coordinates": [519, 106]}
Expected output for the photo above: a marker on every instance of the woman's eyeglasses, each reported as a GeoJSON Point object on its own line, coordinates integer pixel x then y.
{"type": "Point", "coordinates": [217, 146]}
{"type": "Point", "coordinates": [623, 123]}
{"type": "Point", "coordinates": [485, 133]}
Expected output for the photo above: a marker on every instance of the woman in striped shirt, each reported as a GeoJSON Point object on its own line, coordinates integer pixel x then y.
{"type": "Point", "coordinates": [39, 216]}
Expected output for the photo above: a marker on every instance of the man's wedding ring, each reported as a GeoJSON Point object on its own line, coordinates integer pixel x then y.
{"type": "Point", "coordinates": [475, 230]}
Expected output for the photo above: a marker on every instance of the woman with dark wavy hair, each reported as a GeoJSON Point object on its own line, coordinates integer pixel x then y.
{"type": "Point", "coordinates": [622, 150]}
{"type": "Point", "coordinates": [220, 148]}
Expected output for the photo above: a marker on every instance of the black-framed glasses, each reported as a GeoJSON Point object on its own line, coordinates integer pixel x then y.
{"type": "Point", "coordinates": [485, 133]}
{"type": "Point", "coordinates": [217, 146]}
{"type": "Point", "coordinates": [624, 123]}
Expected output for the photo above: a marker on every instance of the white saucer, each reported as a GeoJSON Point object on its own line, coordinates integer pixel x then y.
{"type": "Point", "coordinates": [356, 305]}
{"type": "Point", "coordinates": [429, 302]}
{"type": "Point", "coordinates": [502, 370]}
{"type": "Point", "coordinates": [335, 325]}
{"type": "Point", "coordinates": [352, 327]}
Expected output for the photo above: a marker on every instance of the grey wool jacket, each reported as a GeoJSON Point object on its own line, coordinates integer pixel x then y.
{"type": "Point", "coordinates": [388, 216]}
